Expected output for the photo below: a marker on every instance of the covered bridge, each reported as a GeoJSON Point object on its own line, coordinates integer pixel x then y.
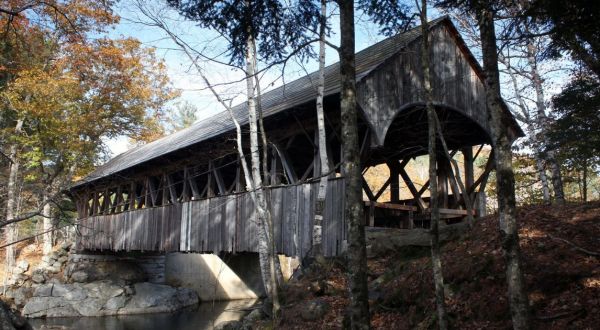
{"type": "Point", "coordinates": [185, 192]}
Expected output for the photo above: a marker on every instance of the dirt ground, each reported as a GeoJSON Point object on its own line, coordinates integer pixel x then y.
{"type": "Point", "coordinates": [560, 247]}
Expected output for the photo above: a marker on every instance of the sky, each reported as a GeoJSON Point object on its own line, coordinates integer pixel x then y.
{"type": "Point", "coordinates": [184, 77]}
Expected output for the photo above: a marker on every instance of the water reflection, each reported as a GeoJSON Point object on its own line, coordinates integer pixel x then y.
{"type": "Point", "coordinates": [204, 316]}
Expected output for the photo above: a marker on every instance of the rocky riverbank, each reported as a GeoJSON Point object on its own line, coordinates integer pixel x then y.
{"type": "Point", "coordinates": [105, 298]}
{"type": "Point", "coordinates": [64, 284]}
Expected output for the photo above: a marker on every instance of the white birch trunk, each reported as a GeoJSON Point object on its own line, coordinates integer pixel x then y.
{"type": "Point", "coordinates": [324, 160]}
{"type": "Point", "coordinates": [11, 201]}
{"type": "Point", "coordinates": [542, 123]}
{"type": "Point", "coordinates": [48, 224]}
{"type": "Point", "coordinates": [266, 253]}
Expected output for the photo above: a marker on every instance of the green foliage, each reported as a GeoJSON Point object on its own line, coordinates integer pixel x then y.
{"type": "Point", "coordinates": [277, 27]}
{"type": "Point", "coordinates": [576, 133]}
{"type": "Point", "coordinates": [573, 27]}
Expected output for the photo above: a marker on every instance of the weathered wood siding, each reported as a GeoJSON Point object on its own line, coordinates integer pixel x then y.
{"type": "Point", "coordinates": [397, 84]}
{"type": "Point", "coordinates": [221, 224]}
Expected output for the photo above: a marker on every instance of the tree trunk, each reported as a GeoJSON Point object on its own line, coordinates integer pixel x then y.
{"type": "Point", "coordinates": [48, 225]}
{"type": "Point", "coordinates": [11, 200]}
{"type": "Point", "coordinates": [265, 148]}
{"type": "Point", "coordinates": [505, 179]}
{"type": "Point", "coordinates": [538, 154]}
{"type": "Point", "coordinates": [357, 254]}
{"type": "Point", "coordinates": [539, 163]}
{"type": "Point", "coordinates": [542, 123]}
{"type": "Point", "coordinates": [584, 180]}
{"type": "Point", "coordinates": [266, 229]}
{"type": "Point", "coordinates": [434, 208]}
{"type": "Point", "coordinates": [324, 161]}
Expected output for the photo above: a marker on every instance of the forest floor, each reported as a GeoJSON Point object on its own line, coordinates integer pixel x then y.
{"type": "Point", "coordinates": [560, 247]}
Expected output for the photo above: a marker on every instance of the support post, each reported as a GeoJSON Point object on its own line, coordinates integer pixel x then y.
{"type": "Point", "coordinates": [468, 164]}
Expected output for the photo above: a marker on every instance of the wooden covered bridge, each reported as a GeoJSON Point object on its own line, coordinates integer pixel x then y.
{"type": "Point", "coordinates": [185, 192]}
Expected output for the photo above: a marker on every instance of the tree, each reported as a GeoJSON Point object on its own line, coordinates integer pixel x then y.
{"type": "Point", "coordinates": [351, 169]}
{"type": "Point", "coordinates": [434, 208]}
{"type": "Point", "coordinates": [267, 29]}
{"type": "Point", "coordinates": [323, 158]}
{"type": "Point", "coordinates": [572, 25]}
{"type": "Point", "coordinates": [574, 135]}
{"type": "Point", "coordinates": [183, 115]}
{"type": "Point", "coordinates": [71, 94]}
{"type": "Point", "coordinates": [505, 181]}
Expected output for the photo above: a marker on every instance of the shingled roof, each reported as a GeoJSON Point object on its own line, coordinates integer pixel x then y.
{"type": "Point", "coordinates": [275, 101]}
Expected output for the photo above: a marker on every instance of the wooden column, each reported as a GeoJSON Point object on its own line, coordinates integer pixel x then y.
{"type": "Point", "coordinates": [442, 169]}
{"type": "Point", "coordinates": [394, 184]}
{"type": "Point", "coordinates": [468, 163]}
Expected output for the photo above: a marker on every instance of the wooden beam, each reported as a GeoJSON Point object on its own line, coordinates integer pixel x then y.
{"type": "Point", "coordinates": [394, 179]}
{"type": "Point", "coordinates": [307, 172]}
{"type": "Point", "coordinates": [186, 190]}
{"type": "Point", "coordinates": [478, 151]}
{"type": "Point", "coordinates": [165, 189]}
{"type": "Point", "coordinates": [413, 190]}
{"type": "Point", "coordinates": [172, 190]}
{"type": "Point", "coordinates": [193, 185]}
{"type": "Point", "coordinates": [486, 172]}
{"type": "Point", "coordinates": [274, 179]}
{"type": "Point", "coordinates": [132, 193]}
{"type": "Point", "coordinates": [391, 206]}
{"type": "Point", "coordinates": [468, 166]}
{"type": "Point", "coordinates": [218, 179]}
{"type": "Point", "coordinates": [367, 189]}
{"type": "Point", "coordinates": [304, 131]}
{"type": "Point", "coordinates": [287, 167]}
{"type": "Point", "coordinates": [385, 185]}
{"type": "Point", "coordinates": [119, 200]}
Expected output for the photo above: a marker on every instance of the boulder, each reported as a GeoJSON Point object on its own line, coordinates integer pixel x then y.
{"type": "Point", "coordinates": [150, 295]}
{"type": "Point", "coordinates": [53, 269]}
{"type": "Point", "coordinates": [79, 277]}
{"type": "Point", "coordinates": [23, 265]}
{"type": "Point", "coordinates": [21, 295]}
{"type": "Point", "coordinates": [90, 307]}
{"type": "Point", "coordinates": [66, 246]}
{"type": "Point", "coordinates": [314, 310]}
{"type": "Point", "coordinates": [230, 325]}
{"type": "Point", "coordinates": [59, 290]}
{"type": "Point", "coordinates": [187, 297]}
{"type": "Point", "coordinates": [116, 303]}
{"type": "Point", "coordinates": [49, 307]}
{"type": "Point", "coordinates": [254, 316]}
{"type": "Point", "coordinates": [38, 277]}
{"type": "Point", "coordinates": [75, 293]}
{"type": "Point", "coordinates": [44, 290]}
{"type": "Point", "coordinates": [102, 289]}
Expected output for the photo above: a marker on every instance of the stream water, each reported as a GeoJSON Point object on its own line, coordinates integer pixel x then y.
{"type": "Point", "coordinates": [204, 316]}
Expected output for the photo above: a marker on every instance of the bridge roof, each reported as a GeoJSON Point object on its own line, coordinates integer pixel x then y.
{"type": "Point", "coordinates": [292, 94]}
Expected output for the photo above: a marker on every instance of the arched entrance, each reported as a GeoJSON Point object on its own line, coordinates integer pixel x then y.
{"type": "Point", "coordinates": [396, 172]}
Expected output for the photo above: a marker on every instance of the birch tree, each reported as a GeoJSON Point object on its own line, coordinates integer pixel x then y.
{"type": "Point", "coordinates": [255, 28]}
{"type": "Point", "coordinates": [11, 197]}
{"type": "Point", "coordinates": [322, 134]}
